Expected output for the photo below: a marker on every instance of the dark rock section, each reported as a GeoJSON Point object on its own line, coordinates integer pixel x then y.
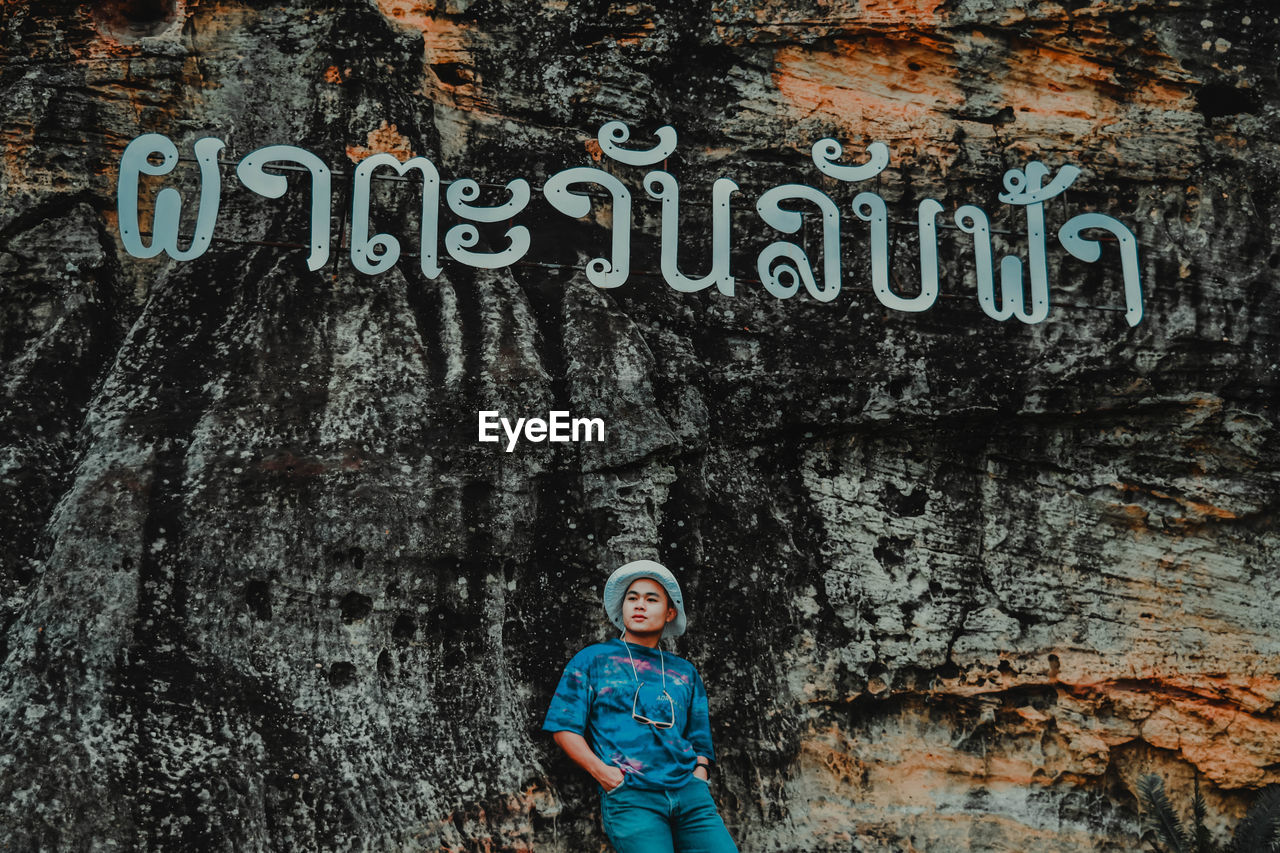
{"type": "Point", "coordinates": [954, 583]}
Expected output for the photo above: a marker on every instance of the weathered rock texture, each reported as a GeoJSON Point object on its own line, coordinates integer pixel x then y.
{"type": "Point", "coordinates": [954, 583]}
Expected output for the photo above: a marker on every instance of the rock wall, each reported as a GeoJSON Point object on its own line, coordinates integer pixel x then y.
{"type": "Point", "coordinates": [954, 583]}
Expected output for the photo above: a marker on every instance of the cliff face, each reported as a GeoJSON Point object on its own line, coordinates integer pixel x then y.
{"type": "Point", "coordinates": [954, 583]}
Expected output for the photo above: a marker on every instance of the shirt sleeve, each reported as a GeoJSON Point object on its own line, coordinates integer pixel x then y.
{"type": "Point", "coordinates": [698, 730]}
{"type": "Point", "coordinates": [571, 703]}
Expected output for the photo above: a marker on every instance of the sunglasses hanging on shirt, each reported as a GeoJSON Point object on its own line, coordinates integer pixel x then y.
{"type": "Point", "coordinates": [635, 701]}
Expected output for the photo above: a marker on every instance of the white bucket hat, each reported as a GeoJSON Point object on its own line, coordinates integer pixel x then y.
{"type": "Point", "coordinates": [615, 589]}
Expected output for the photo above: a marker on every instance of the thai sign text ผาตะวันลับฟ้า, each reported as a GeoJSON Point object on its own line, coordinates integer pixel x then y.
{"type": "Point", "coordinates": [783, 266]}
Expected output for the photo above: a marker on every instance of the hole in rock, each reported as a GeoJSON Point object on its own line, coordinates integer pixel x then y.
{"type": "Point", "coordinates": [452, 73]}
{"type": "Point", "coordinates": [257, 596]}
{"type": "Point", "coordinates": [129, 20]}
{"type": "Point", "coordinates": [405, 627]}
{"type": "Point", "coordinates": [1223, 99]}
{"type": "Point", "coordinates": [342, 673]}
{"type": "Point", "coordinates": [355, 606]}
{"type": "Point", "coordinates": [905, 504]}
{"type": "Point", "coordinates": [891, 550]}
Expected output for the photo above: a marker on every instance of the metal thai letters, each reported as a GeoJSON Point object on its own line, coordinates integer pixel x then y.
{"type": "Point", "coordinates": [663, 186]}
{"type": "Point", "coordinates": [372, 255]}
{"type": "Point", "coordinates": [602, 272]}
{"type": "Point", "coordinates": [168, 205]}
{"type": "Point", "coordinates": [783, 266]}
{"type": "Point", "coordinates": [973, 220]}
{"type": "Point", "coordinates": [613, 271]}
{"type": "Point", "coordinates": [1024, 188]}
{"type": "Point", "coordinates": [461, 238]}
{"type": "Point", "coordinates": [870, 207]}
{"type": "Point", "coordinates": [613, 133]}
{"type": "Point", "coordinates": [252, 175]}
{"type": "Point", "coordinates": [826, 152]}
{"type": "Point", "coordinates": [1090, 250]}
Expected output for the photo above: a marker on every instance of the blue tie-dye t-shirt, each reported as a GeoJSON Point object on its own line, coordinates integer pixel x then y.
{"type": "Point", "coordinates": [595, 699]}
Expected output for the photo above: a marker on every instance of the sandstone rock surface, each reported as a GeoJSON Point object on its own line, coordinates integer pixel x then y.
{"type": "Point", "coordinates": [954, 583]}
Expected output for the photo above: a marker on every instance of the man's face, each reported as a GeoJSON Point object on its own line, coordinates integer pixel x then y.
{"type": "Point", "coordinates": [645, 608]}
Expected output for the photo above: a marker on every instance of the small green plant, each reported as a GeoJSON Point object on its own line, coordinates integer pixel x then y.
{"type": "Point", "coordinates": [1257, 832]}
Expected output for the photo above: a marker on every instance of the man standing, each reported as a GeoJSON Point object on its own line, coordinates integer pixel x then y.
{"type": "Point", "coordinates": [635, 718]}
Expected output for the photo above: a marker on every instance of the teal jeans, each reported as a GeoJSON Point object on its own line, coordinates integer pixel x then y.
{"type": "Point", "coordinates": [681, 821]}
